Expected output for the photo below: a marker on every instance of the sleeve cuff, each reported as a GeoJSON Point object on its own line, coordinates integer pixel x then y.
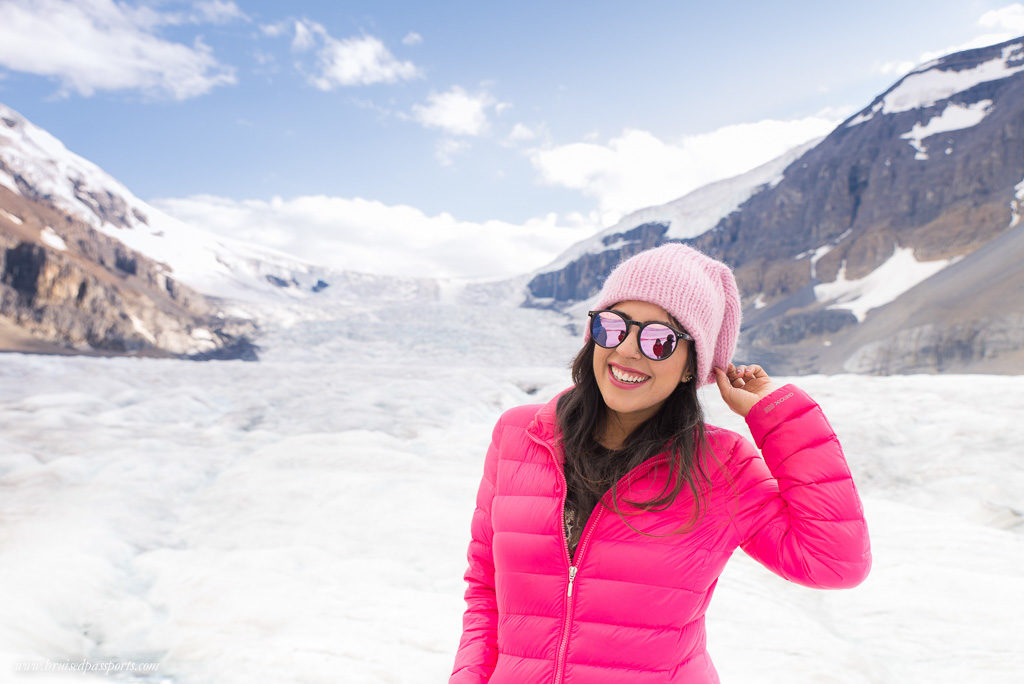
{"type": "Point", "coordinates": [776, 408]}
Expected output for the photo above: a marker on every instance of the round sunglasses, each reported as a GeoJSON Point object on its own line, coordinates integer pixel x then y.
{"type": "Point", "coordinates": [657, 340]}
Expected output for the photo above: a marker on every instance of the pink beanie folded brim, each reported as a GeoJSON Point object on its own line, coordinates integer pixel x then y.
{"type": "Point", "coordinates": [698, 291]}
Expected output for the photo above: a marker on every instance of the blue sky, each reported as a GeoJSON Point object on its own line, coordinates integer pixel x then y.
{"type": "Point", "coordinates": [550, 119]}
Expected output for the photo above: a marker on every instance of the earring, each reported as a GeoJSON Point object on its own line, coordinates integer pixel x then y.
{"type": "Point", "coordinates": [687, 378]}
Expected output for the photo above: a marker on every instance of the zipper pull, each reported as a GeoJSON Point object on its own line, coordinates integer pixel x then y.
{"type": "Point", "coordinates": [572, 576]}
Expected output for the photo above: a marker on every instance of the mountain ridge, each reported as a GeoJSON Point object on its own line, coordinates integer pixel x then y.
{"type": "Point", "coordinates": [914, 182]}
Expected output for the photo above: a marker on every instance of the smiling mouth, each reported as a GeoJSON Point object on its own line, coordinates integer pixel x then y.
{"type": "Point", "coordinates": [628, 378]}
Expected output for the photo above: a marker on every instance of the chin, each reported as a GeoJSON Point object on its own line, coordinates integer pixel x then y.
{"type": "Point", "coordinates": [633, 401]}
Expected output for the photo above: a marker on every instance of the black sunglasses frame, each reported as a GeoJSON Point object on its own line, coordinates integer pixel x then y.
{"type": "Point", "coordinates": [680, 334]}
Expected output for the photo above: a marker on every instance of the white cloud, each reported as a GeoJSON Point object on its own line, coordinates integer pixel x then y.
{"type": "Point", "coordinates": [896, 67]}
{"type": "Point", "coordinates": [346, 62]}
{"type": "Point", "coordinates": [455, 111]}
{"type": "Point", "coordinates": [1009, 18]}
{"type": "Point", "coordinates": [835, 113]}
{"type": "Point", "coordinates": [521, 132]}
{"type": "Point", "coordinates": [92, 45]}
{"type": "Point", "coordinates": [637, 170]}
{"type": "Point", "coordinates": [202, 12]}
{"type": "Point", "coordinates": [448, 148]}
{"type": "Point", "coordinates": [275, 30]}
{"type": "Point", "coordinates": [305, 35]}
{"type": "Point", "coordinates": [372, 237]}
{"type": "Point", "coordinates": [412, 38]}
{"type": "Point", "coordinates": [217, 12]}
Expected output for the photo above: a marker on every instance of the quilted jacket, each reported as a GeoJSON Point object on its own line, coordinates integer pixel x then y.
{"type": "Point", "coordinates": [628, 607]}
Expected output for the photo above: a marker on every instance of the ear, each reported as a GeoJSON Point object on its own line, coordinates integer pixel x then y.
{"type": "Point", "coordinates": [691, 365]}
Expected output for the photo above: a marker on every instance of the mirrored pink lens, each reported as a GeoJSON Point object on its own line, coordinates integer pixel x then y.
{"type": "Point", "coordinates": [608, 329]}
{"type": "Point", "coordinates": [657, 341]}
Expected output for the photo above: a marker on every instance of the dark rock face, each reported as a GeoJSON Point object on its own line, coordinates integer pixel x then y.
{"type": "Point", "coordinates": [240, 349]}
{"type": "Point", "coordinates": [106, 205]}
{"type": "Point", "coordinates": [22, 265]}
{"type": "Point", "coordinates": [123, 261]}
{"type": "Point", "coordinates": [95, 295]}
{"type": "Point", "coordinates": [865, 190]}
{"type": "Point", "coordinates": [797, 327]}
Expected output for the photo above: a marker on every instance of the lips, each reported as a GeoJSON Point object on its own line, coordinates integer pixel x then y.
{"type": "Point", "coordinates": [625, 385]}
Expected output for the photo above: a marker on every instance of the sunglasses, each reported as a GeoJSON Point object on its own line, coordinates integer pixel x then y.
{"type": "Point", "coordinates": [657, 340]}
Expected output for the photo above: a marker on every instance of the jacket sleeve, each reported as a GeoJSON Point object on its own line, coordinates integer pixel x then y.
{"type": "Point", "coordinates": [799, 512]}
{"type": "Point", "coordinates": [478, 649]}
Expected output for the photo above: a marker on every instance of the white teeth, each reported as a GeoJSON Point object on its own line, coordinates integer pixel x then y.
{"type": "Point", "coordinates": [625, 377]}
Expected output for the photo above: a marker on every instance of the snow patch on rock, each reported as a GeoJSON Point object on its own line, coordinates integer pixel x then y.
{"type": "Point", "coordinates": [49, 237]}
{"type": "Point", "coordinates": [11, 217]}
{"type": "Point", "coordinates": [953, 118]}
{"type": "Point", "coordinates": [925, 87]}
{"type": "Point", "coordinates": [899, 273]}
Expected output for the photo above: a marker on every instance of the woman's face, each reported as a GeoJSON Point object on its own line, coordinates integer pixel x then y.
{"type": "Point", "coordinates": [636, 402]}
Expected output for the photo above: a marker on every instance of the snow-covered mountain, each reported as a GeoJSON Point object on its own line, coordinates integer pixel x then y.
{"type": "Point", "coordinates": [688, 216]}
{"type": "Point", "coordinates": [37, 166]}
{"type": "Point", "coordinates": [86, 267]}
{"type": "Point", "coordinates": [863, 252]}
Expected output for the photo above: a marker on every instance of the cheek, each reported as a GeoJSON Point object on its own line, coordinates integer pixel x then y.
{"type": "Point", "coordinates": [674, 372]}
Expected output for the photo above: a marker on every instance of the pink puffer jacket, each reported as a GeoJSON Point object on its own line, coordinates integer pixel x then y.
{"type": "Point", "coordinates": [630, 608]}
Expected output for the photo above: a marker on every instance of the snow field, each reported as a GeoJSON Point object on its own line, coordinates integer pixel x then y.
{"type": "Point", "coordinates": [306, 518]}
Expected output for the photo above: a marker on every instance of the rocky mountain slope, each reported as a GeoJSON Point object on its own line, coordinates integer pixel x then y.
{"type": "Point", "coordinates": [87, 267]}
{"type": "Point", "coordinates": [866, 254]}
{"type": "Point", "coordinates": [67, 288]}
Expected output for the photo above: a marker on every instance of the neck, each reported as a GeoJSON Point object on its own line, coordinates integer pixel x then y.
{"type": "Point", "coordinates": [617, 427]}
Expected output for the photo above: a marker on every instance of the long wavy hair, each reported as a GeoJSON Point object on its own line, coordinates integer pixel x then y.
{"type": "Point", "coordinates": [592, 469]}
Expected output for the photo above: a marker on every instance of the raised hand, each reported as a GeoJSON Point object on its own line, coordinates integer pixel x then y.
{"type": "Point", "coordinates": [743, 386]}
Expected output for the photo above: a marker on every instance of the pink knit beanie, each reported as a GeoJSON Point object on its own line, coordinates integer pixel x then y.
{"type": "Point", "coordinates": [697, 290]}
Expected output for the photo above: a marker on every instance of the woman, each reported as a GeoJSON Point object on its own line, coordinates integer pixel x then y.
{"type": "Point", "coordinates": [604, 517]}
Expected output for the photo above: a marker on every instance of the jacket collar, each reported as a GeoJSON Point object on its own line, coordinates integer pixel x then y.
{"type": "Point", "coordinates": [545, 422]}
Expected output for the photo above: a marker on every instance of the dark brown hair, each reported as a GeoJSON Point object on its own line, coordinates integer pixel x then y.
{"type": "Point", "coordinates": [592, 469]}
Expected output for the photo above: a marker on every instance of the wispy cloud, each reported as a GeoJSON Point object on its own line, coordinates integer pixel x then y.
{"type": "Point", "coordinates": [448, 148]}
{"type": "Point", "coordinates": [455, 111]}
{"type": "Point", "coordinates": [637, 169]}
{"type": "Point", "coordinates": [370, 236]}
{"type": "Point", "coordinates": [412, 38]}
{"type": "Point", "coordinates": [361, 60]}
{"type": "Point", "coordinates": [93, 45]}
{"type": "Point", "coordinates": [521, 132]}
{"type": "Point", "coordinates": [217, 12]}
{"type": "Point", "coordinates": [896, 67]}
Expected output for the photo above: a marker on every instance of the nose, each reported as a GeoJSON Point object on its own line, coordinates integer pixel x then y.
{"type": "Point", "coordinates": [630, 347]}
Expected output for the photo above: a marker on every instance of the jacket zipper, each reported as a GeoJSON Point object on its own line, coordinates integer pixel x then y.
{"type": "Point", "coordinates": [563, 646]}
{"type": "Point", "coordinates": [573, 563]}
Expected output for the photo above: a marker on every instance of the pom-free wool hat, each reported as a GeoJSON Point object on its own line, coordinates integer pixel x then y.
{"type": "Point", "coordinates": [698, 291]}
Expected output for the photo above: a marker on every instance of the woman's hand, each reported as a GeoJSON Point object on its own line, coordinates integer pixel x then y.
{"type": "Point", "coordinates": [743, 386]}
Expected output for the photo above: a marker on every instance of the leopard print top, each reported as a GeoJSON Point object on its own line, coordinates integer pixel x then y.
{"type": "Point", "coordinates": [573, 527]}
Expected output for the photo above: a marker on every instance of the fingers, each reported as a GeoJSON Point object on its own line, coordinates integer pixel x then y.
{"type": "Point", "coordinates": [740, 375]}
{"type": "Point", "coordinates": [722, 378]}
